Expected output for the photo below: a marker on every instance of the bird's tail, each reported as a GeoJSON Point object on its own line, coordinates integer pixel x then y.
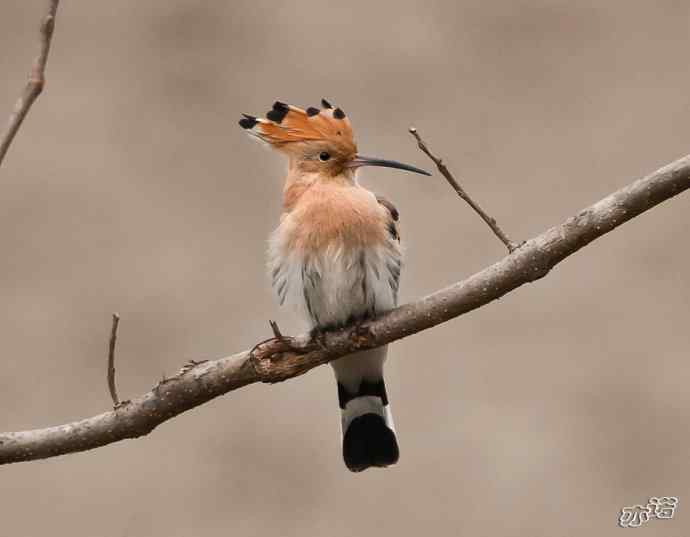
{"type": "Point", "coordinates": [367, 426]}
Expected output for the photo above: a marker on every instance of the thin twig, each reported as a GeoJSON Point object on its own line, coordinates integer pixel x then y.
{"type": "Point", "coordinates": [511, 245]}
{"type": "Point", "coordinates": [272, 362]}
{"type": "Point", "coordinates": [111, 360]}
{"type": "Point", "coordinates": [36, 81]}
{"type": "Point", "coordinates": [276, 329]}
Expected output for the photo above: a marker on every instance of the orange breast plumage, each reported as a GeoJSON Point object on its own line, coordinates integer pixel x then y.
{"type": "Point", "coordinates": [327, 214]}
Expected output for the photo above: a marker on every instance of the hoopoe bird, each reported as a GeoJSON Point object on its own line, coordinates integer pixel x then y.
{"type": "Point", "coordinates": [336, 256]}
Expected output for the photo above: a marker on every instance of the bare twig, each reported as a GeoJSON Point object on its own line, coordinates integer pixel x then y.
{"type": "Point", "coordinates": [511, 245]}
{"type": "Point", "coordinates": [276, 329]}
{"type": "Point", "coordinates": [271, 362]}
{"type": "Point", "coordinates": [34, 85]}
{"type": "Point", "coordinates": [111, 360]}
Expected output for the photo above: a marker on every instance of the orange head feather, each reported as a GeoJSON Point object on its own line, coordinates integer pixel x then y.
{"type": "Point", "coordinates": [320, 137]}
{"type": "Point", "coordinates": [316, 140]}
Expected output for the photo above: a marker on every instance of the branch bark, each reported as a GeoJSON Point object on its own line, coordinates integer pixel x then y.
{"type": "Point", "coordinates": [279, 359]}
{"type": "Point", "coordinates": [34, 85]}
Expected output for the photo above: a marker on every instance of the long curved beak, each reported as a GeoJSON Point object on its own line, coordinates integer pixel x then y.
{"type": "Point", "coordinates": [361, 160]}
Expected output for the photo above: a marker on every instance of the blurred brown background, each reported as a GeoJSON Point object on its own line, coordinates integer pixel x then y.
{"type": "Point", "coordinates": [130, 188]}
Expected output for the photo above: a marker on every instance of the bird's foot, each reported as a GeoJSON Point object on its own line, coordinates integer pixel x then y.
{"type": "Point", "coordinates": [271, 357]}
{"type": "Point", "coordinates": [317, 335]}
{"type": "Point", "coordinates": [284, 343]}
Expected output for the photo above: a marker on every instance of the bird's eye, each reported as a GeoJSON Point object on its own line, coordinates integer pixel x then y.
{"type": "Point", "coordinates": [324, 156]}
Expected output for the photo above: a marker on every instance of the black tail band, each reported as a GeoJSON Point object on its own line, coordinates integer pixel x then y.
{"type": "Point", "coordinates": [376, 389]}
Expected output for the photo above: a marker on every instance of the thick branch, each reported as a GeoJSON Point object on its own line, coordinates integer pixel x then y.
{"type": "Point", "coordinates": [490, 221]}
{"type": "Point", "coordinates": [34, 85]}
{"type": "Point", "coordinates": [280, 359]}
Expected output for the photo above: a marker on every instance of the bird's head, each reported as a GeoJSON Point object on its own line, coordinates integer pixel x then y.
{"type": "Point", "coordinates": [317, 140]}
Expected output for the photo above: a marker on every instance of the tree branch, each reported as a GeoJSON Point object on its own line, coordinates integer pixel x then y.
{"type": "Point", "coordinates": [490, 221]}
{"type": "Point", "coordinates": [35, 84]}
{"type": "Point", "coordinates": [282, 358]}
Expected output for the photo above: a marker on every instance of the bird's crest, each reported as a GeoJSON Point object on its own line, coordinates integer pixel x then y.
{"type": "Point", "coordinates": [285, 125]}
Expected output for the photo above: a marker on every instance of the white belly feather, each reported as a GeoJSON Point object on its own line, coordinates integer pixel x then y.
{"type": "Point", "coordinates": [336, 285]}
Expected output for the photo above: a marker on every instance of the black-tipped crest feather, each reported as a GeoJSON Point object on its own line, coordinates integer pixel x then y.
{"type": "Point", "coordinates": [248, 122]}
{"type": "Point", "coordinates": [278, 113]}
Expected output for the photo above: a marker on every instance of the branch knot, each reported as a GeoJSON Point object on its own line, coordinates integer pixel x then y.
{"type": "Point", "coordinates": [267, 355]}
